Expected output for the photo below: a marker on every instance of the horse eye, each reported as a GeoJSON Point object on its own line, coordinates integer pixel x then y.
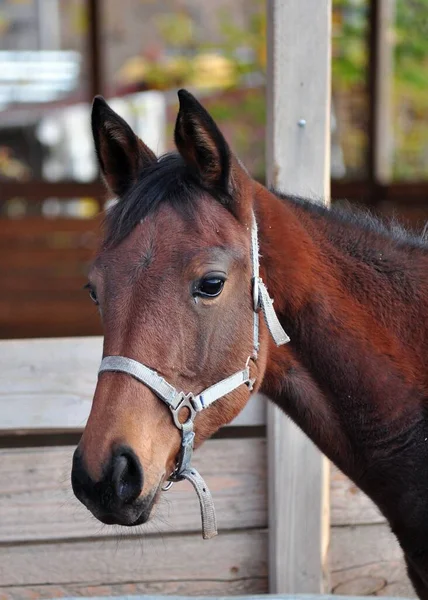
{"type": "Point", "coordinates": [210, 287]}
{"type": "Point", "coordinates": [92, 294]}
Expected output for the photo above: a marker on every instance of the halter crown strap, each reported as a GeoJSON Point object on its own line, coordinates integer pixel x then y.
{"type": "Point", "coordinates": [261, 298]}
{"type": "Point", "coordinates": [177, 400]}
{"type": "Point", "coordinates": [274, 326]}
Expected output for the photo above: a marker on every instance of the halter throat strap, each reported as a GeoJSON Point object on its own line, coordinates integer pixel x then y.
{"type": "Point", "coordinates": [177, 400]}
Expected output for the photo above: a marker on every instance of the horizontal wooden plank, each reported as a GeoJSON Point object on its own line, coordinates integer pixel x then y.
{"type": "Point", "coordinates": [36, 226]}
{"type": "Point", "coordinates": [197, 591]}
{"type": "Point", "coordinates": [36, 501]}
{"type": "Point", "coordinates": [353, 547]}
{"type": "Point", "coordinates": [37, 190]}
{"type": "Point", "coordinates": [127, 591]}
{"type": "Point", "coordinates": [13, 300]}
{"type": "Point", "coordinates": [367, 560]}
{"type": "Point", "coordinates": [43, 257]}
{"type": "Point", "coordinates": [184, 558]}
{"type": "Point", "coordinates": [51, 310]}
{"type": "Point", "coordinates": [349, 505]}
{"type": "Point", "coordinates": [14, 329]}
{"type": "Point", "coordinates": [40, 234]}
{"type": "Point", "coordinates": [56, 283]}
{"type": "Point", "coordinates": [50, 384]}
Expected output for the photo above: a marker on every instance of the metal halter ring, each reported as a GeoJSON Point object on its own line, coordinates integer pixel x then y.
{"type": "Point", "coordinates": [185, 401]}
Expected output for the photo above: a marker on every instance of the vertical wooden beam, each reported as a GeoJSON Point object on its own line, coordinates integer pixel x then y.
{"type": "Point", "coordinates": [94, 48]}
{"type": "Point", "coordinates": [372, 76]}
{"type": "Point", "coordinates": [298, 156]}
{"type": "Point", "coordinates": [379, 90]}
{"type": "Point", "coordinates": [382, 91]}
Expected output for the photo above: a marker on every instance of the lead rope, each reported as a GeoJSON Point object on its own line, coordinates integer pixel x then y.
{"type": "Point", "coordinates": [176, 400]}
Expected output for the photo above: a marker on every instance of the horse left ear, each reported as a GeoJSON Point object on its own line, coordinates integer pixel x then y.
{"type": "Point", "coordinates": [201, 143]}
{"type": "Point", "coordinates": [203, 148]}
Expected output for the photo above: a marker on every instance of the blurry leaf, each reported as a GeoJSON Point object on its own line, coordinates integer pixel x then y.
{"type": "Point", "coordinates": [177, 29]}
{"type": "Point", "coordinates": [4, 24]}
{"type": "Point", "coordinates": [79, 19]}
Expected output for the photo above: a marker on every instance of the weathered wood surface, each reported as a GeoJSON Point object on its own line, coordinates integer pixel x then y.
{"type": "Point", "coordinates": [39, 232]}
{"type": "Point", "coordinates": [43, 266]}
{"type": "Point", "coordinates": [37, 503]}
{"type": "Point", "coordinates": [126, 595]}
{"type": "Point", "coordinates": [195, 587]}
{"type": "Point", "coordinates": [298, 162]}
{"type": "Point", "coordinates": [185, 558]}
{"type": "Point", "coordinates": [50, 384]}
{"type": "Point", "coordinates": [349, 505]}
{"type": "Point", "coordinates": [365, 557]}
{"type": "Point", "coordinates": [367, 560]}
{"type": "Point", "coordinates": [383, 143]}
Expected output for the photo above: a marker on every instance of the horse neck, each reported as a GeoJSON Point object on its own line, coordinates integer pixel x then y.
{"type": "Point", "coordinates": [292, 246]}
{"type": "Point", "coordinates": [355, 351]}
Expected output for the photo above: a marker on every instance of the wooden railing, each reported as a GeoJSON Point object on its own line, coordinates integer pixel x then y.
{"type": "Point", "coordinates": [51, 547]}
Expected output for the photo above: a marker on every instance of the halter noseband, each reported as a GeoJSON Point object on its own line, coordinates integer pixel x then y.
{"type": "Point", "coordinates": [177, 400]}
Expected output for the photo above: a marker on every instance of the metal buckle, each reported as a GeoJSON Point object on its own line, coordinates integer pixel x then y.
{"type": "Point", "coordinates": [185, 401]}
{"type": "Point", "coordinates": [184, 456]}
{"type": "Point", "coordinates": [256, 294]}
{"type": "Point", "coordinates": [251, 380]}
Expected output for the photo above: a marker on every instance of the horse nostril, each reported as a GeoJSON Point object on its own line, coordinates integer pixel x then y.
{"type": "Point", "coordinates": [127, 476]}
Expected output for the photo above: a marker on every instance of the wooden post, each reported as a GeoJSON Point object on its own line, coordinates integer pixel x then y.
{"type": "Point", "coordinates": [383, 99]}
{"type": "Point", "coordinates": [298, 158]}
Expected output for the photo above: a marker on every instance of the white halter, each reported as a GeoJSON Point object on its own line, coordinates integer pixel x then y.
{"type": "Point", "coordinates": [177, 400]}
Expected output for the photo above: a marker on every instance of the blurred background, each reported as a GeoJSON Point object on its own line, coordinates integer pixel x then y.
{"type": "Point", "coordinates": [55, 55]}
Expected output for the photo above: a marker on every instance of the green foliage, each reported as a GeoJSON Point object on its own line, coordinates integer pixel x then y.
{"type": "Point", "coordinates": [176, 29]}
{"type": "Point", "coordinates": [245, 48]}
{"type": "Point", "coordinates": [251, 107]}
{"type": "Point", "coordinates": [411, 43]}
{"type": "Point", "coordinates": [349, 63]}
{"type": "Point", "coordinates": [410, 39]}
{"type": "Point", "coordinates": [252, 38]}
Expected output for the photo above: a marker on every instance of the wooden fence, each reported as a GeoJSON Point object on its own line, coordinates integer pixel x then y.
{"type": "Point", "coordinates": [50, 546]}
{"type": "Point", "coordinates": [43, 267]}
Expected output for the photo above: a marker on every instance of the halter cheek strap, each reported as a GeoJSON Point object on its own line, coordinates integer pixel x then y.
{"type": "Point", "coordinates": [194, 403]}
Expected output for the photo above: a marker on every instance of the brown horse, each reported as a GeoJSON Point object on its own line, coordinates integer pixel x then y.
{"type": "Point", "coordinates": [174, 285]}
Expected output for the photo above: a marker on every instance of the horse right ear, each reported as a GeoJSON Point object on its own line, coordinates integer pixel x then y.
{"type": "Point", "coordinates": [121, 154]}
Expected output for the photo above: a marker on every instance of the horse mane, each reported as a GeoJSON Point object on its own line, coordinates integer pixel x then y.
{"type": "Point", "coordinates": [360, 218]}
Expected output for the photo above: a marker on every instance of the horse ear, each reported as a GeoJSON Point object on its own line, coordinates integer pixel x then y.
{"type": "Point", "coordinates": [201, 144]}
{"type": "Point", "coordinates": [121, 154]}
{"type": "Point", "coordinates": [203, 147]}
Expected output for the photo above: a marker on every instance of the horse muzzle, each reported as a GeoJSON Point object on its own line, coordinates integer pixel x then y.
{"type": "Point", "coordinates": [115, 499]}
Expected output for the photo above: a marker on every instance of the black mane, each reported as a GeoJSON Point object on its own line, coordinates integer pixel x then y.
{"type": "Point", "coordinates": [170, 180]}
{"type": "Point", "coordinates": [362, 219]}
